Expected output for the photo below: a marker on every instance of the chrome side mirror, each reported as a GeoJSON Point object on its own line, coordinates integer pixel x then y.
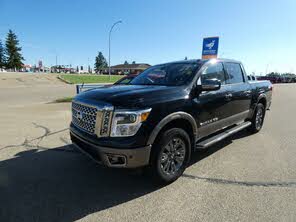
{"type": "Point", "coordinates": [210, 85]}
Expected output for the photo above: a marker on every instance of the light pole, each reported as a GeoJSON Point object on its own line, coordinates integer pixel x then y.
{"type": "Point", "coordinates": [110, 45]}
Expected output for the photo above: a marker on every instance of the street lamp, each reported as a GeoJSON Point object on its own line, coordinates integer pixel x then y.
{"type": "Point", "coordinates": [110, 45]}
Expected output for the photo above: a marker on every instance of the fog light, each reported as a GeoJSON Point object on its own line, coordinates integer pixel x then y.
{"type": "Point", "coordinates": [116, 160]}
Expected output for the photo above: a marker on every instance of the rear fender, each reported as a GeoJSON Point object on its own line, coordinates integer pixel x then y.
{"type": "Point", "coordinates": [253, 108]}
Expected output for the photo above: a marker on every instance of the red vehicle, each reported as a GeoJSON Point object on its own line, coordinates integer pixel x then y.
{"type": "Point", "coordinates": [271, 79]}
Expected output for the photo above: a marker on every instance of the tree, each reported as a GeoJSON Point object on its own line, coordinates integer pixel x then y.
{"type": "Point", "coordinates": [77, 69]}
{"type": "Point", "coordinates": [2, 57]}
{"type": "Point", "coordinates": [134, 62]}
{"type": "Point", "coordinates": [125, 62]}
{"type": "Point", "coordinates": [274, 74]}
{"type": "Point", "coordinates": [14, 57]}
{"type": "Point", "coordinates": [100, 62]}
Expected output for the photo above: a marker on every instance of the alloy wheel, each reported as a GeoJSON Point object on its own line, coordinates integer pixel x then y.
{"type": "Point", "coordinates": [173, 156]}
{"type": "Point", "coordinates": [259, 118]}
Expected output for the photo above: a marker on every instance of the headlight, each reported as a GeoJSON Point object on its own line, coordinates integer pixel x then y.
{"type": "Point", "coordinates": [127, 122]}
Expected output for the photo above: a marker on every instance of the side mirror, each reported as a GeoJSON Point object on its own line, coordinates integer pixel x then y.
{"type": "Point", "coordinates": [210, 85]}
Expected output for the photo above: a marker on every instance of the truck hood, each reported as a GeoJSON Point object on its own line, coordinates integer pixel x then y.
{"type": "Point", "coordinates": [132, 95]}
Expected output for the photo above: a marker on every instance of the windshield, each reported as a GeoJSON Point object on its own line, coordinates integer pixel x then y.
{"type": "Point", "coordinates": [124, 81]}
{"type": "Point", "coordinates": [172, 74]}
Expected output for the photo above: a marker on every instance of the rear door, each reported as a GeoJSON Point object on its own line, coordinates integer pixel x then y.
{"type": "Point", "coordinates": [238, 92]}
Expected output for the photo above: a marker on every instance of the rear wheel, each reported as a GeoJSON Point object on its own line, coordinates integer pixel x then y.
{"type": "Point", "coordinates": [170, 156]}
{"type": "Point", "coordinates": [258, 118]}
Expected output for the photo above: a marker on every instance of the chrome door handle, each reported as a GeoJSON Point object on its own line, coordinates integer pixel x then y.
{"type": "Point", "coordinates": [247, 92]}
{"type": "Point", "coordinates": [228, 96]}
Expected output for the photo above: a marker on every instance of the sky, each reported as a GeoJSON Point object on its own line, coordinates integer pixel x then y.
{"type": "Point", "coordinates": [260, 33]}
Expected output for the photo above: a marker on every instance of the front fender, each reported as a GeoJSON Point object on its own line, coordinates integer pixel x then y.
{"type": "Point", "coordinates": [168, 119]}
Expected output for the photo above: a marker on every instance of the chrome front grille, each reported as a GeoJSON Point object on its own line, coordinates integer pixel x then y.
{"type": "Point", "coordinates": [92, 119]}
{"type": "Point", "coordinates": [84, 117]}
{"type": "Point", "coordinates": [105, 122]}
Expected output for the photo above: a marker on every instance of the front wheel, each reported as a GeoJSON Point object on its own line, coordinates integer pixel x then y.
{"type": "Point", "coordinates": [170, 155]}
{"type": "Point", "coordinates": [258, 118]}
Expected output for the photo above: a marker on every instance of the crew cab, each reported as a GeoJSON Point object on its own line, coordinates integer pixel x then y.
{"type": "Point", "coordinates": [166, 113]}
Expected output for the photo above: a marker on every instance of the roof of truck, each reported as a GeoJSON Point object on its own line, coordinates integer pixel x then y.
{"type": "Point", "coordinates": [202, 61]}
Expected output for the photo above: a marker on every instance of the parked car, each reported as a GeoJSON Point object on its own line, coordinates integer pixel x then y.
{"type": "Point", "coordinates": [273, 80]}
{"type": "Point", "coordinates": [125, 80]}
{"type": "Point", "coordinates": [166, 113]}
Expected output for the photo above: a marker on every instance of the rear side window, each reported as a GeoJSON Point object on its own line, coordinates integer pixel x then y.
{"type": "Point", "coordinates": [214, 71]}
{"type": "Point", "coordinates": [234, 73]}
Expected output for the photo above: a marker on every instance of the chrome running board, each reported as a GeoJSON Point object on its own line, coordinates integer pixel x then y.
{"type": "Point", "coordinates": [212, 140]}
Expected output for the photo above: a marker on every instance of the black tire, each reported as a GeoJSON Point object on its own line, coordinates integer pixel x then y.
{"type": "Point", "coordinates": [258, 118]}
{"type": "Point", "coordinates": [170, 155]}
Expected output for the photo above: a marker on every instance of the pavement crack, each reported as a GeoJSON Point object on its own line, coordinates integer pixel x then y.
{"type": "Point", "coordinates": [46, 133]}
{"type": "Point", "coordinates": [28, 143]}
{"type": "Point", "coordinates": [64, 141]}
{"type": "Point", "coordinates": [290, 184]}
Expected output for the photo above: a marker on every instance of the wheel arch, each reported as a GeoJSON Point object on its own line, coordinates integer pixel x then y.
{"type": "Point", "coordinates": [262, 99]}
{"type": "Point", "coordinates": [178, 119]}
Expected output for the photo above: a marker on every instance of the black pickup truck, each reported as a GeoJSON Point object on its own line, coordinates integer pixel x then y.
{"type": "Point", "coordinates": [166, 113]}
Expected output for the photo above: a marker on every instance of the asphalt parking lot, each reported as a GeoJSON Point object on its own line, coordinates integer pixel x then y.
{"type": "Point", "coordinates": [43, 178]}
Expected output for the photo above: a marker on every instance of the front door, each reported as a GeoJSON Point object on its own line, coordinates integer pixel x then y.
{"type": "Point", "coordinates": [211, 107]}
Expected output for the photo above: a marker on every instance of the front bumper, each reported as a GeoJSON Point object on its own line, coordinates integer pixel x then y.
{"type": "Point", "coordinates": [113, 157]}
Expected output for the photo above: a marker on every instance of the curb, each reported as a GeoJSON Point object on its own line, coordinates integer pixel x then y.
{"type": "Point", "coordinates": [63, 80]}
